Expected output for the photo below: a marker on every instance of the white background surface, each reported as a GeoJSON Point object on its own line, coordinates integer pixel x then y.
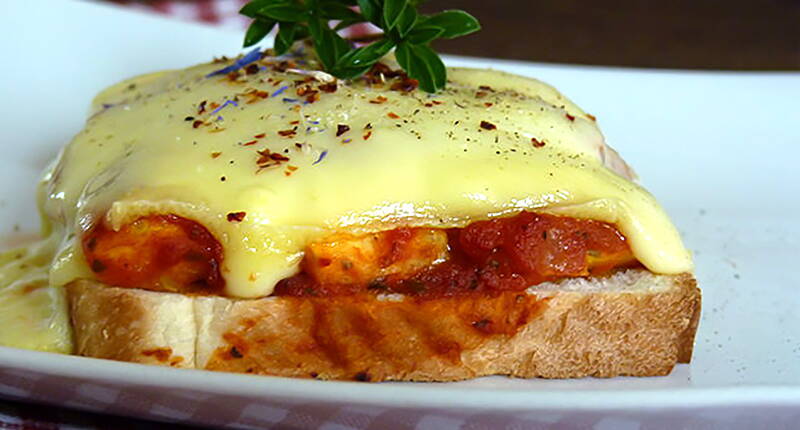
{"type": "Point", "coordinates": [719, 150]}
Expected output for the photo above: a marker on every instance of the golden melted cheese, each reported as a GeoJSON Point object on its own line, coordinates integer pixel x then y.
{"type": "Point", "coordinates": [411, 159]}
{"type": "Point", "coordinates": [32, 314]}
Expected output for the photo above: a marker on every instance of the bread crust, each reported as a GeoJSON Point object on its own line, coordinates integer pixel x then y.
{"type": "Point", "coordinates": [631, 323]}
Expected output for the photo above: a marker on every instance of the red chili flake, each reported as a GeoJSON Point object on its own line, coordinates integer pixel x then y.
{"type": "Point", "coordinates": [428, 104]}
{"type": "Point", "coordinates": [295, 122]}
{"type": "Point", "coordinates": [252, 69]}
{"type": "Point", "coordinates": [486, 125]}
{"type": "Point", "coordinates": [393, 115]}
{"type": "Point", "coordinates": [202, 107]}
{"type": "Point", "coordinates": [329, 87]}
{"type": "Point", "coordinates": [437, 102]}
{"type": "Point", "coordinates": [197, 123]}
{"type": "Point", "coordinates": [267, 158]}
{"type": "Point", "coordinates": [289, 170]}
{"type": "Point", "coordinates": [381, 71]}
{"type": "Point", "coordinates": [263, 157]}
{"type": "Point", "coordinates": [215, 154]}
{"type": "Point", "coordinates": [368, 135]}
{"type": "Point", "coordinates": [260, 135]}
{"type": "Point", "coordinates": [303, 90]}
{"type": "Point", "coordinates": [250, 143]}
{"type": "Point", "coordinates": [488, 104]}
{"type": "Point", "coordinates": [233, 76]}
{"type": "Point", "coordinates": [255, 95]}
{"type": "Point", "coordinates": [569, 117]}
{"type": "Point", "coordinates": [485, 88]}
{"type": "Point", "coordinates": [379, 100]}
{"type": "Point", "coordinates": [287, 133]}
{"type": "Point", "coordinates": [405, 85]}
{"type": "Point", "coordinates": [591, 117]}
{"type": "Point", "coordinates": [481, 94]}
{"type": "Point", "coordinates": [236, 216]}
{"type": "Point", "coordinates": [312, 96]}
{"type": "Point", "coordinates": [537, 143]}
{"type": "Point", "coordinates": [342, 129]}
{"type": "Point", "coordinates": [213, 105]}
{"type": "Point", "coordinates": [283, 66]}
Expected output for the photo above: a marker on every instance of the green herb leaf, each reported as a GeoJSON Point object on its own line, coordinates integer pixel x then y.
{"type": "Point", "coordinates": [371, 10]}
{"type": "Point", "coordinates": [283, 11]}
{"type": "Point", "coordinates": [366, 55]}
{"type": "Point", "coordinates": [285, 37]}
{"type": "Point", "coordinates": [402, 27]}
{"type": "Point", "coordinates": [455, 23]}
{"type": "Point", "coordinates": [422, 64]}
{"type": "Point", "coordinates": [406, 22]}
{"type": "Point", "coordinates": [392, 9]}
{"type": "Point", "coordinates": [251, 9]}
{"type": "Point", "coordinates": [421, 35]}
{"type": "Point", "coordinates": [328, 44]}
{"type": "Point", "coordinates": [332, 10]}
{"type": "Point", "coordinates": [258, 30]}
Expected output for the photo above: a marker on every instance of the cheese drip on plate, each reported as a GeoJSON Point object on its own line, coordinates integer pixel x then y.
{"type": "Point", "coordinates": [302, 159]}
{"type": "Point", "coordinates": [33, 315]}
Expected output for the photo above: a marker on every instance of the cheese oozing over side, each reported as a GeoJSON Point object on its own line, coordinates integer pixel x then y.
{"type": "Point", "coordinates": [302, 165]}
{"type": "Point", "coordinates": [33, 314]}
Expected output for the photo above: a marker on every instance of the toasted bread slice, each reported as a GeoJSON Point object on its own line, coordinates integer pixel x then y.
{"type": "Point", "coordinates": [632, 322]}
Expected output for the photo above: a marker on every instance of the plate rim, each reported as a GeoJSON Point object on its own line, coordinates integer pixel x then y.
{"type": "Point", "coordinates": [406, 395]}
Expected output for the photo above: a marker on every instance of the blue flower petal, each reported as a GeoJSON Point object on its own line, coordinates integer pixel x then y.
{"type": "Point", "coordinates": [251, 56]}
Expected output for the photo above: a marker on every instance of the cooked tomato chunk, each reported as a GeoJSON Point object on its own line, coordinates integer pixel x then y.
{"type": "Point", "coordinates": [497, 255]}
{"type": "Point", "coordinates": [156, 252]}
{"type": "Point", "coordinates": [344, 259]}
{"type": "Point", "coordinates": [541, 247]}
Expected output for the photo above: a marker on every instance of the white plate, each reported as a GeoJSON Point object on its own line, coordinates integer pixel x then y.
{"type": "Point", "coordinates": [720, 150]}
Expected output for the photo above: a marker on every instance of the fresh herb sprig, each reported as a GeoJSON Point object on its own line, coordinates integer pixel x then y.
{"type": "Point", "coordinates": [404, 29]}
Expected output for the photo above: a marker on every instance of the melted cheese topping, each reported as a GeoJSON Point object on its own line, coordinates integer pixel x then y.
{"type": "Point", "coordinates": [32, 314]}
{"type": "Point", "coordinates": [362, 159]}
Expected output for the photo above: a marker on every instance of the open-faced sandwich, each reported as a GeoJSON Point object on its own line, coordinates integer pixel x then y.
{"type": "Point", "coordinates": [259, 215]}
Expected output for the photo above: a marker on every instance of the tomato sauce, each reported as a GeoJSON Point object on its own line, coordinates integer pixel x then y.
{"type": "Point", "coordinates": [507, 254]}
{"type": "Point", "coordinates": [156, 252]}
{"type": "Point", "coordinates": [171, 253]}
